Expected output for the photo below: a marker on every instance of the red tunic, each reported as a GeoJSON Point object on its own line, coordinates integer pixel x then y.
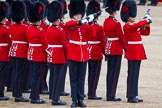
{"type": "Point", "coordinates": [5, 43]}
{"type": "Point", "coordinates": [115, 38]}
{"type": "Point", "coordinates": [135, 49]}
{"type": "Point", "coordinates": [56, 38]}
{"type": "Point", "coordinates": [96, 45]}
{"type": "Point", "coordinates": [19, 45]}
{"type": "Point", "coordinates": [37, 44]}
{"type": "Point", "coordinates": [44, 26]}
{"type": "Point", "coordinates": [78, 48]}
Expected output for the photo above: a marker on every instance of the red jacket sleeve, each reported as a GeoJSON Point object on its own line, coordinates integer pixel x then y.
{"type": "Point", "coordinates": [102, 39]}
{"type": "Point", "coordinates": [71, 23]}
{"type": "Point", "coordinates": [8, 38]}
{"type": "Point", "coordinates": [121, 35]}
{"type": "Point", "coordinates": [145, 30]}
{"type": "Point", "coordinates": [64, 41]}
{"type": "Point", "coordinates": [43, 39]}
{"type": "Point", "coordinates": [137, 25]}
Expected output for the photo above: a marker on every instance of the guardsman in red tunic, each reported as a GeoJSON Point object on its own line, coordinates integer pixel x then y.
{"type": "Point", "coordinates": [96, 49]}
{"type": "Point", "coordinates": [57, 58]}
{"type": "Point", "coordinates": [135, 51]}
{"type": "Point", "coordinates": [77, 30]}
{"type": "Point", "coordinates": [62, 25]}
{"type": "Point", "coordinates": [26, 76]}
{"type": "Point", "coordinates": [37, 50]}
{"type": "Point", "coordinates": [114, 48]}
{"type": "Point", "coordinates": [9, 76]}
{"type": "Point", "coordinates": [19, 47]}
{"type": "Point", "coordinates": [4, 47]}
{"type": "Point", "coordinates": [44, 26]}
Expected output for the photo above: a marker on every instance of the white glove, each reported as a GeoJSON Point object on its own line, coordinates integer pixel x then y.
{"type": "Point", "coordinates": [90, 18]}
{"type": "Point", "coordinates": [148, 18]}
{"type": "Point", "coordinates": [84, 21]}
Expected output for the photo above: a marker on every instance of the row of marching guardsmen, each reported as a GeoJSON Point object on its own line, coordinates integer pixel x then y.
{"type": "Point", "coordinates": [29, 46]}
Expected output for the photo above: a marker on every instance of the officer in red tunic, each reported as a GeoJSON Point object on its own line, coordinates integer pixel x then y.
{"type": "Point", "coordinates": [4, 47]}
{"type": "Point", "coordinates": [77, 30]}
{"type": "Point", "coordinates": [19, 47]}
{"type": "Point", "coordinates": [62, 25]}
{"type": "Point", "coordinates": [44, 26]}
{"type": "Point", "coordinates": [96, 49]}
{"type": "Point", "coordinates": [114, 48]}
{"type": "Point", "coordinates": [58, 44]}
{"type": "Point", "coordinates": [36, 51]}
{"type": "Point", "coordinates": [135, 52]}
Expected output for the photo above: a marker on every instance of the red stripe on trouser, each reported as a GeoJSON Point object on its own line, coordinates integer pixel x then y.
{"type": "Point", "coordinates": [39, 79]}
{"type": "Point", "coordinates": [58, 92]}
{"type": "Point", "coordinates": [93, 90]}
{"type": "Point", "coordinates": [130, 76]}
{"type": "Point", "coordinates": [2, 77]}
{"type": "Point", "coordinates": [20, 79]}
{"type": "Point", "coordinates": [116, 70]}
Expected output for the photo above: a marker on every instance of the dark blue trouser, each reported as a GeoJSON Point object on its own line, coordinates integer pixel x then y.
{"type": "Point", "coordinates": [19, 66]}
{"type": "Point", "coordinates": [56, 71]}
{"type": "Point", "coordinates": [44, 85]}
{"type": "Point", "coordinates": [36, 69]}
{"type": "Point", "coordinates": [26, 77]}
{"type": "Point", "coordinates": [62, 87]}
{"type": "Point", "coordinates": [77, 71]}
{"type": "Point", "coordinates": [143, 1]}
{"type": "Point", "coordinates": [3, 73]}
{"type": "Point", "coordinates": [132, 79]}
{"type": "Point", "coordinates": [94, 68]}
{"type": "Point", "coordinates": [152, 1]}
{"type": "Point", "coordinates": [9, 76]}
{"type": "Point", "coordinates": [113, 71]}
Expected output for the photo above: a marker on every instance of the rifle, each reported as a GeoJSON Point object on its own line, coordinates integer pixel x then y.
{"type": "Point", "coordinates": [148, 14]}
{"type": "Point", "coordinates": [98, 13]}
{"type": "Point", "coordinates": [148, 11]}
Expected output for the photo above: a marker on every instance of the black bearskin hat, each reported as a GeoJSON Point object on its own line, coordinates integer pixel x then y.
{"type": "Point", "coordinates": [36, 12]}
{"type": "Point", "coordinates": [129, 9]}
{"type": "Point", "coordinates": [113, 5]}
{"type": "Point", "coordinates": [28, 5]}
{"type": "Point", "coordinates": [93, 7]}
{"type": "Point", "coordinates": [64, 6]}
{"type": "Point", "coordinates": [54, 11]}
{"type": "Point", "coordinates": [46, 3]}
{"type": "Point", "coordinates": [9, 11]}
{"type": "Point", "coordinates": [4, 10]}
{"type": "Point", "coordinates": [18, 11]}
{"type": "Point", "coordinates": [77, 7]}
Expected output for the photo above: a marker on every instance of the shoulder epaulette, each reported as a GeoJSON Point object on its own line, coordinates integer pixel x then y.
{"type": "Point", "coordinates": [115, 19]}
{"type": "Point", "coordinates": [59, 28]}
{"type": "Point", "coordinates": [40, 28]}
{"type": "Point", "coordinates": [6, 26]}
